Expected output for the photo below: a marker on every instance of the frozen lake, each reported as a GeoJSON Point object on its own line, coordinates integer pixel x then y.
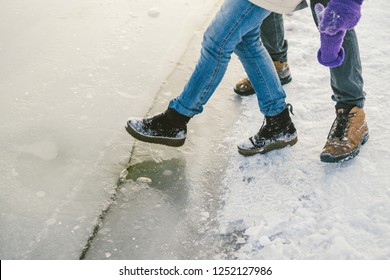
{"type": "Point", "coordinates": [71, 73]}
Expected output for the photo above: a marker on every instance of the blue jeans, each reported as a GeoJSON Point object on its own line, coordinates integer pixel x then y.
{"type": "Point", "coordinates": [235, 28]}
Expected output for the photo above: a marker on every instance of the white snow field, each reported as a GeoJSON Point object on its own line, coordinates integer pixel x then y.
{"type": "Point", "coordinates": [291, 205]}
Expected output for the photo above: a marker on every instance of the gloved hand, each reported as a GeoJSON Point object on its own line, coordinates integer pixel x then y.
{"type": "Point", "coordinates": [331, 53]}
{"type": "Point", "coordinates": [338, 15]}
{"type": "Point", "coordinates": [333, 22]}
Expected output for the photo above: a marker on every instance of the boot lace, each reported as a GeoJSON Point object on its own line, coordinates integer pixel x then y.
{"type": "Point", "coordinates": [341, 125]}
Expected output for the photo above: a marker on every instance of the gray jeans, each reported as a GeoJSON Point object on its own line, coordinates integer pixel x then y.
{"type": "Point", "coordinates": [272, 36]}
{"type": "Point", "coordinates": [346, 80]}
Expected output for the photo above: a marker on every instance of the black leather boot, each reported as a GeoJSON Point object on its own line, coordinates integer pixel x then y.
{"type": "Point", "coordinates": [168, 128]}
{"type": "Point", "coordinates": [276, 132]}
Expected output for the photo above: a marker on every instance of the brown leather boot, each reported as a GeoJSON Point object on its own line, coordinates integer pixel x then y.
{"type": "Point", "coordinates": [244, 86]}
{"type": "Point", "coordinates": [348, 132]}
{"type": "Point", "coordinates": [283, 70]}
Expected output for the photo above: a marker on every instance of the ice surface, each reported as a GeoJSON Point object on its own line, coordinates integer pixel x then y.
{"type": "Point", "coordinates": [71, 73]}
{"type": "Point", "coordinates": [45, 149]}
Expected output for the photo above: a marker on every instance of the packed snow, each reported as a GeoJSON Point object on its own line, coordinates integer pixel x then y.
{"type": "Point", "coordinates": [289, 205]}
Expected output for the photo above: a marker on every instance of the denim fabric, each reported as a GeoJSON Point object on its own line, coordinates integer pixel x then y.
{"type": "Point", "coordinates": [272, 36]}
{"type": "Point", "coordinates": [346, 80]}
{"type": "Point", "coordinates": [235, 28]}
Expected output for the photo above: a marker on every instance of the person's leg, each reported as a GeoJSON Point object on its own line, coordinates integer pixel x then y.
{"type": "Point", "coordinates": [272, 36]}
{"type": "Point", "coordinates": [349, 130]}
{"type": "Point", "coordinates": [346, 80]}
{"type": "Point", "coordinates": [235, 22]}
{"type": "Point", "coordinates": [232, 22]}
{"type": "Point", "coordinates": [258, 65]}
{"type": "Point", "coordinates": [277, 131]}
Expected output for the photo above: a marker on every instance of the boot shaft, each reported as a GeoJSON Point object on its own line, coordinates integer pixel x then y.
{"type": "Point", "coordinates": [276, 132]}
{"type": "Point", "coordinates": [349, 125]}
{"type": "Point", "coordinates": [275, 125]}
{"type": "Point", "coordinates": [176, 119]}
{"type": "Point", "coordinates": [280, 121]}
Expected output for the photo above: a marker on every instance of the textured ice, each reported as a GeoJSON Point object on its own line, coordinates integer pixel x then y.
{"type": "Point", "coordinates": [44, 149]}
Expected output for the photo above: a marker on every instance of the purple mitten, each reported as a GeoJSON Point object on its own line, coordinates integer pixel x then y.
{"type": "Point", "coordinates": [339, 15]}
{"type": "Point", "coordinates": [333, 22]}
{"type": "Point", "coordinates": [331, 54]}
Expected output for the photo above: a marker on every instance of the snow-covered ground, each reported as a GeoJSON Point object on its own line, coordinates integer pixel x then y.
{"type": "Point", "coordinates": [291, 205]}
{"type": "Point", "coordinates": [72, 72]}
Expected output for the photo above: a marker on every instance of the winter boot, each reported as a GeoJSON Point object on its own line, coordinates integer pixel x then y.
{"type": "Point", "coordinates": [244, 86]}
{"type": "Point", "coordinates": [348, 132]}
{"type": "Point", "coordinates": [168, 128]}
{"type": "Point", "coordinates": [276, 132]}
{"type": "Point", "coordinates": [283, 70]}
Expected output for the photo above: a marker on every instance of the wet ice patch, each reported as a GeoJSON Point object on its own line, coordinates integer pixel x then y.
{"type": "Point", "coordinates": [45, 149]}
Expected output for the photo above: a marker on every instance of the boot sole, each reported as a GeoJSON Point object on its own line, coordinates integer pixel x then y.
{"type": "Point", "coordinates": [172, 142]}
{"type": "Point", "coordinates": [275, 146]}
{"type": "Point", "coordinates": [286, 80]}
{"type": "Point", "coordinates": [328, 158]}
{"type": "Point", "coordinates": [283, 81]}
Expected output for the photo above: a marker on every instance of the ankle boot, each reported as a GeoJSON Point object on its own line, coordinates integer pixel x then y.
{"type": "Point", "coordinates": [348, 132]}
{"type": "Point", "coordinates": [276, 132]}
{"type": "Point", "coordinates": [168, 128]}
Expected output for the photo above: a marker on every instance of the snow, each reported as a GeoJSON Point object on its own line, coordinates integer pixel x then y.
{"type": "Point", "coordinates": [74, 71]}
{"type": "Point", "coordinates": [294, 206]}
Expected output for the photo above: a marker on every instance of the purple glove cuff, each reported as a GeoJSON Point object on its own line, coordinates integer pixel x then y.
{"type": "Point", "coordinates": [331, 54]}
{"type": "Point", "coordinates": [334, 20]}
{"type": "Point", "coordinates": [338, 60]}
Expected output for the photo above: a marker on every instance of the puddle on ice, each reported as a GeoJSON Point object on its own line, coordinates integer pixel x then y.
{"type": "Point", "coordinates": [167, 175]}
{"type": "Point", "coordinates": [156, 215]}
